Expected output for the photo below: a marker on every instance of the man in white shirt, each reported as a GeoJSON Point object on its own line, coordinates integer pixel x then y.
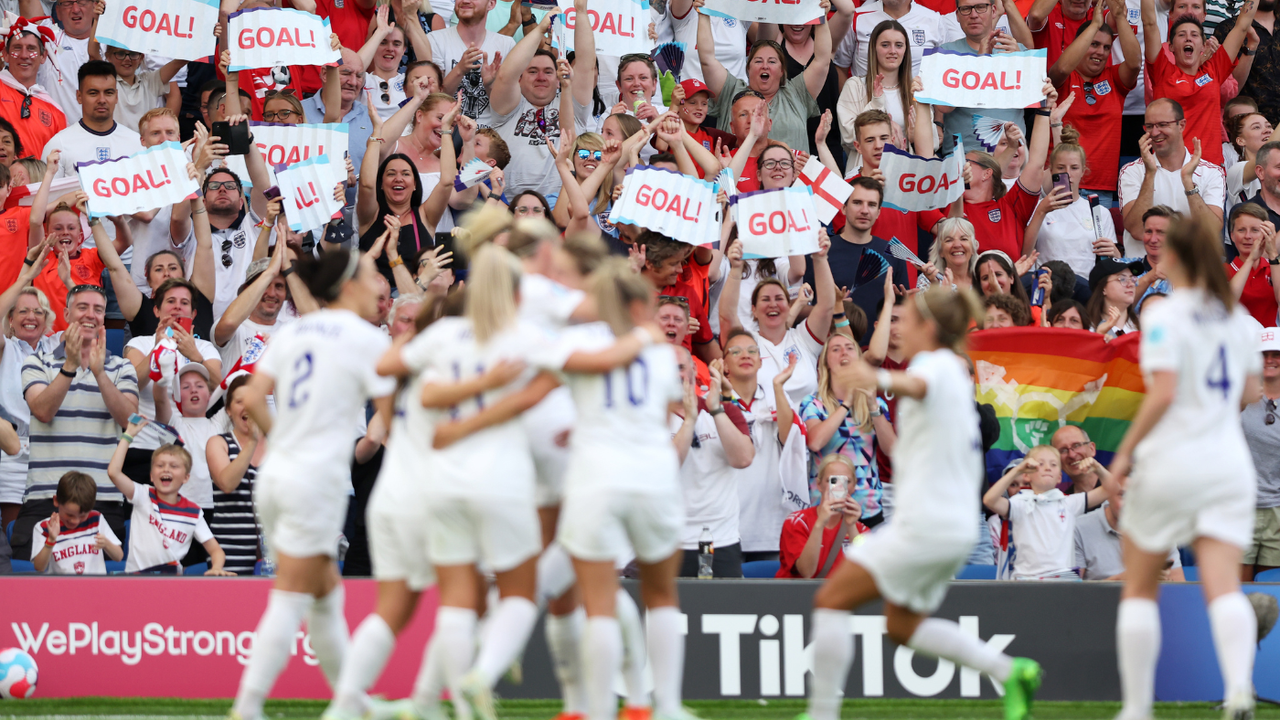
{"type": "Point", "coordinates": [96, 136]}
{"type": "Point", "coordinates": [139, 89]}
{"type": "Point", "coordinates": [1166, 174]}
{"type": "Point", "coordinates": [467, 51]}
{"type": "Point", "coordinates": [158, 229]}
{"type": "Point", "coordinates": [925, 29]}
{"type": "Point", "coordinates": [68, 52]}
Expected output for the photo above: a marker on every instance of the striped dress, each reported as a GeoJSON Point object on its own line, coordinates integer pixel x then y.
{"type": "Point", "coordinates": [234, 524]}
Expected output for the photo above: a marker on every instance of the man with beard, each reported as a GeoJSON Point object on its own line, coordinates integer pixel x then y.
{"type": "Point", "coordinates": [26, 104]}
{"type": "Point", "coordinates": [1259, 66]}
{"type": "Point", "coordinates": [80, 397]}
{"type": "Point", "coordinates": [354, 114]}
{"type": "Point", "coordinates": [791, 103]}
{"type": "Point", "coordinates": [232, 221]}
{"type": "Point", "coordinates": [67, 53]}
{"type": "Point", "coordinates": [468, 53]}
{"type": "Point", "coordinates": [95, 136]}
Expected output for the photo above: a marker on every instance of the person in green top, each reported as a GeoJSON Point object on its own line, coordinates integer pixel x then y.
{"type": "Point", "coordinates": [791, 104]}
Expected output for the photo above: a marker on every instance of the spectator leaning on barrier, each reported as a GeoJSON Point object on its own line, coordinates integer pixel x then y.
{"type": "Point", "coordinates": [75, 538]}
{"type": "Point", "coordinates": [1262, 432]}
{"type": "Point", "coordinates": [80, 395]}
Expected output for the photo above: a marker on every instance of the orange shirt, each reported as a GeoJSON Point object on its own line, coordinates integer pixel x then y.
{"type": "Point", "coordinates": [45, 120]}
{"type": "Point", "coordinates": [86, 269]}
{"type": "Point", "coordinates": [13, 243]}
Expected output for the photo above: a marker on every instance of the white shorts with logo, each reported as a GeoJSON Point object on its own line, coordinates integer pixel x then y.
{"type": "Point", "coordinates": [300, 519]}
{"type": "Point", "coordinates": [543, 424]}
{"type": "Point", "coordinates": [398, 548]}
{"type": "Point", "coordinates": [600, 523]}
{"type": "Point", "coordinates": [1164, 510]}
{"type": "Point", "coordinates": [911, 569]}
{"type": "Point", "coordinates": [495, 532]}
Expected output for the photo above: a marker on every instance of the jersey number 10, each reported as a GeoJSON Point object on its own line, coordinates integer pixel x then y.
{"type": "Point", "coordinates": [635, 395]}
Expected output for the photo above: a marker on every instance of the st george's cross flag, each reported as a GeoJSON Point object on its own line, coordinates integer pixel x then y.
{"type": "Point", "coordinates": [829, 189]}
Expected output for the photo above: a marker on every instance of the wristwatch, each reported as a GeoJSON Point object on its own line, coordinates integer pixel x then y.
{"type": "Point", "coordinates": [1192, 191]}
{"type": "Point", "coordinates": [1248, 51]}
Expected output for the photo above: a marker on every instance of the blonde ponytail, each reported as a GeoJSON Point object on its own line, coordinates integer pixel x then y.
{"type": "Point", "coordinates": [491, 291]}
{"type": "Point", "coordinates": [614, 287]}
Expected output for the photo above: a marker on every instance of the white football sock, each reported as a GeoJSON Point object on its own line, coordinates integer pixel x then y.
{"type": "Point", "coordinates": [633, 648]}
{"type": "Point", "coordinates": [1235, 633]}
{"type": "Point", "coordinates": [367, 655]}
{"type": "Point", "coordinates": [666, 653]}
{"type": "Point", "coordinates": [1138, 649]}
{"type": "Point", "coordinates": [272, 645]}
{"type": "Point", "coordinates": [430, 682]}
{"type": "Point", "coordinates": [456, 631]}
{"type": "Point", "coordinates": [327, 625]}
{"type": "Point", "coordinates": [832, 656]}
{"type": "Point", "coordinates": [555, 574]}
{"type": "Point", "coordinates": [510, 625]}
{"type": "Point", "coordinates": [602, 650]}
{"type": "Point", "coordinates": [564, 639]}
{"type": "Point", "coordinates": [944, 639]}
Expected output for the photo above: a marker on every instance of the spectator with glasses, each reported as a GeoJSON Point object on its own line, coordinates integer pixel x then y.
{"type": "Point", "coordinates": [530, 203]}
{"type": "Point", "coordinates": [977, 20]}
{"type": "Point", "coordinates": [1168, 174]}
{"type": "Point", "coordinates": [1076, 451]}
{"type": "Point", "coordinates": [1110, 308]}
{"type": "Point", "coordinates": [25, 103]}
{"type": "Point", "coordinates": [1100, 89]}
{"type": "Point", "coordinates": [71, 28]}
{"type": "Point", "coordinates": [1262, 433]}
{"type": "Point", "coordinates": [138, 90]}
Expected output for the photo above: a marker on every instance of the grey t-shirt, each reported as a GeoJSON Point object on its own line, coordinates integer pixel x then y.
{"type": "Point", "coordinates": [1098, 553]}
{"type": "Point", "coordinates": [790, 110]}
{"type": "Point", "coordinates": [960, 120]}
{"type": "Point", "coordinates": [1264, 445]}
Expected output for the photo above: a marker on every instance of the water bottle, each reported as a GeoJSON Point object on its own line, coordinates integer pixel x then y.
{"type": "Point", "coordinates": [706, 551]}
{"type": "Point", "coordinates": [268, 565]}
{"type": "Point", "coordinates": [1037, 293]}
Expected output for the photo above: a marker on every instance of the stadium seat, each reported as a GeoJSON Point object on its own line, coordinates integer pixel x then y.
{"type": "Point", "coordinates": [1272, 575]}
{"type": "Point", "coordinates": [8, 531]}
{"type": "Point", "coordinates": [115, 341]}
{"type": "Point", "coordinates": [124, 541]}
{"type": "Point", "coordinates": [977, 572]}
{"type": "Point", "coordinates": [1191, 572]}
{"type": "Point", "coordinates": [760, 569]}
{"type": "Point", "coordinates": [115, 566]}
{"type": "Point", "coordinates": [23, 566]}
{"type": "Point", "coordinates": [197, 569]}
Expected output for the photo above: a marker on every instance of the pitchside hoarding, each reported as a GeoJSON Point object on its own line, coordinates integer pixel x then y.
{"type": "Point", "coordinates": [749, 639]}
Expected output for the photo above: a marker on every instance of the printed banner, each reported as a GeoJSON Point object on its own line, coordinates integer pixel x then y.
{"type": "Point", "coordinates": [916, 183]}
{"type": "Point", "coordinates": [150, 179]}
{"type": "Point", "coordinates": [791, 12]}
{"type": "Point", "coordinates": [829, 189]}
{"type": "Point", "coordinates": [620, 27]}
{"type": "Point", "coordinates": [267, 37]}
{"type": "Point", "coordinates": [180, 29]}
{"type": "Point", "coordinates": [307, 195]}
{"type": "Point", "coordinates": [1007, 80]}
{"type": "Point", "coordinates": [282, 144]}
{"type": "Point", "coordinates": [681, 207]}
{"type": "Point", "coordinates": [1039, 379]}
{"type": "Point", "coordinates": [777, 223]}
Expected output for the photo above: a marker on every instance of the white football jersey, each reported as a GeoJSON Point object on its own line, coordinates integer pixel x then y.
{"type": "Point", "coordinates": [547, 303]}
{"type": "Point", "coordinates": [324, 370]}
{"type": "Point", "coordinates": [1212, 352]}
{"type": "Point", "coordinates": [937, 463]}
{"type": "Point", "coordinates": [496, 460]}
{"type": "Point", "coordinates": [621, 435]}
{"type": "Point", "coordinates": [408, 455]}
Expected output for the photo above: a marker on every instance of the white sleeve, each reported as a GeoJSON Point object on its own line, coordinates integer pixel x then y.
{"type": "Point", "coordinates": [268, 364]}
{"type": "Point", "coordinates": [1131, 176]}
{"type": "Point", "coordinates": [844, 53]}
{"type": "Point", "coordinates": [105, 530]}
{"type": "Point", "coordinates": [140, 500]}
{"type": "Point", "coordinates": [1078, 503]}
{"type": "Point", "coordinates": [1015, 507]}
{"type": "Point", "coordinates": [1159, 349]}
{"type": "Point", "coordinates": [419, 352]}
{"type": "Point", "coordinates": [1235, 179]}
{"type": "Point", "coordinates": [376, 385]}
{"type": "Point", "coordinates": [202, 533]}
{"type": "Point", "coordinates": [1213, 184]}
{"type": "Point", "coordinates": [1251, 343]}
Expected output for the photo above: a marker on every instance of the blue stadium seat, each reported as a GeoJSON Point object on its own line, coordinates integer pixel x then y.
{"type": "Point", "coordinates": [760, 569]}
{"type": "Point", "coordinates": [1191, 572]}
{"type": "Point", "coordinates": [977, 572]}
{"type": "Point", "coordinates": [124, 541]}
{"type": "Point", "coordinates": [23, 566]}
{"type": "Point", "coordinates": [115, 341]}
{"type": "Point", "coordinates": [8, 531]}
{"type": "Point", "coordinates": [197, 569]}
{"type": "Point", "coordinates": [1272, 575]}
{"type": "Point", "coordinates": [115, 566]}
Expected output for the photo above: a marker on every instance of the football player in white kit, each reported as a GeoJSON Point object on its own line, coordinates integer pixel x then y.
{"type": "Point", "coordinates": [637, 505]}
{"type": "Point", "coordinates": [1187, 472]}
{"type": "Point", "coordinates": [937, 471]}
{"type": "Point", "coordinates": [322, 370]}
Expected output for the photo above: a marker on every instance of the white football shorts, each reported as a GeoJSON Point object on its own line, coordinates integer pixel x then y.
{"type": "Point", "coordinates": [491, 531]}
{"type": "Point", "coordinates": [398, 548]}
{"type": "Point", "coordinates": [300, 519]}
{"type": "Point", "coordinates": [600, 523]}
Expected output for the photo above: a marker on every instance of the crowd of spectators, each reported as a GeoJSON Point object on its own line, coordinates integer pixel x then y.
{"type": "Point", "coordinates": [1152, 112]}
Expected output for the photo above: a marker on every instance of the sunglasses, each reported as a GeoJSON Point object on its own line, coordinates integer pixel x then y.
{"type": "Point", "coordinates": [272, 93]}
{"type": "Point", "coordinates": [589, 154]}
{"type": "Point", "coordinates": [747, 93]}
{"type": "Point", "coordinates": [226, 253]}
{"type": "Point", "coordinates": [680, 300]}
{"type": "Point", "coordinates": [26, 107]}
{"type": "Point", "coordinates": [386, 91]}
{"type": "Point", "coordinates": [1088, 94]}
{"type": "Point", "coordinates": [1271, 411]}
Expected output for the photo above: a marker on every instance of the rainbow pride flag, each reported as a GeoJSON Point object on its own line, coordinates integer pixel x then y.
{"type": "Point", "coordinates": [1039, 379]}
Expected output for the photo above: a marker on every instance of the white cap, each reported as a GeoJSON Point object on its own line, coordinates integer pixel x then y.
{"type": "Point", "coordinates": [1271, 340]}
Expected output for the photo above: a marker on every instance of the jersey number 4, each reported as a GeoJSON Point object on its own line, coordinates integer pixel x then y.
{"type": "Point", "coordinates": [1217, 378]}
{"type": "Point", "coordinates": [635, 374]}
{"type": "Point", "coordinates": [302, 368]}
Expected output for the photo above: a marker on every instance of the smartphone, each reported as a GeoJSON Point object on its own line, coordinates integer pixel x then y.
{"type": "Point", "coordinates": [447, 242]}
{"type": "Point", "coordinates": [136, 419]}
{"type": "Point", "coordinates": [271, 193]}
{"type": "Point", "coordinates": [185, 324]}
{"type": "Point", "coordinates": [1061, 180]}
{"type": "Point", "coordinates": [839, 487]}
{"type": "Point", "coordinates": [235, 137]}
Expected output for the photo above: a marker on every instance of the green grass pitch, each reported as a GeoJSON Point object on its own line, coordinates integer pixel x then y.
{"type": "Point", "coordinates": [153, 709]}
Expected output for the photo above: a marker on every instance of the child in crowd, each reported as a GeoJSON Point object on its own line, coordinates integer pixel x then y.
{"type": "Point", "coordinates": [164, 522]}
{"type": "Point", "coordinates": [75, 537]}
{"type": "Point", "coordinates": [1043, 519]}
{"type": "Point", "coordinates": [195, 429]}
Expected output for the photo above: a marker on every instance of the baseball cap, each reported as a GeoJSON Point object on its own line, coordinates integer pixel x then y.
{"type": "Point", "coordinates": [692, 87]}
{"type": "Point", "coordinates": [256, 268]}
{"type": "Point", "coordinates": [195, 367]}
{"type": "Point", "coordinates": [1105, 267]}
{"type": "Point", "coordinates": [1271, 340]}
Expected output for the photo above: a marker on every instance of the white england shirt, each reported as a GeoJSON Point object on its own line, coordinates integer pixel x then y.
{"type": "Point", "coordinates": [1210, 178]}
{"type": "Point", "coordinates": [408, 457]}
{"type": "Point", "coordinates": [76, 550]}
{"type": "Point", "coordinates": [800, 342]}
{"type": "Point", "coordinates": [1044, 529]}
{"type": "Point", "coordinates": [79, 144]}
{"type": "Point", "coordinates": [161, 533]}
{"type": "Point", "coordinates": [147, 438]}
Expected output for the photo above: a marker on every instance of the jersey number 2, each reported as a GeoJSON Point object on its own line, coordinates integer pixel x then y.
{"type": "Point", "coordinates": [302, 368]}
{"type": "Point", "coordinates": [1217, 378]}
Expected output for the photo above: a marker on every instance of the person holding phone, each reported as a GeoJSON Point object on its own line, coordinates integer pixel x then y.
{"type": "Point", "coordinates": [809, 536]}
{"type": "Point", "coordinates": [1065, 225]}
